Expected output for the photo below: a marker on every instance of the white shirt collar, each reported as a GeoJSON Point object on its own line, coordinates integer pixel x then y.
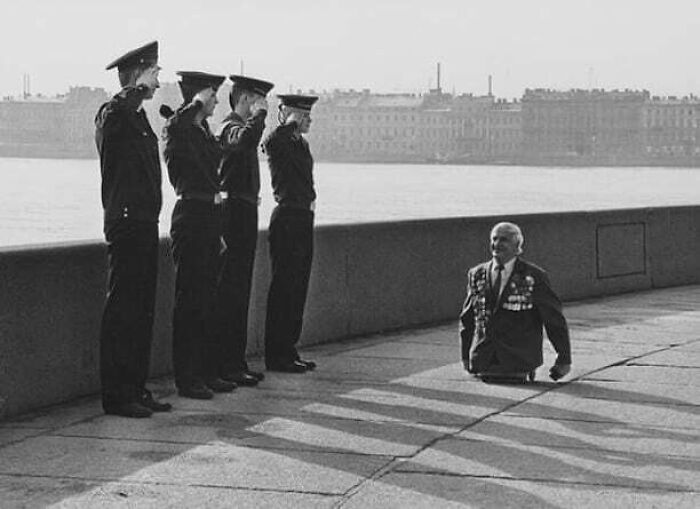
{"type": "Point", "coordinates": [507, 267]}
{"type": "Point", "coordinates": [505, 274]}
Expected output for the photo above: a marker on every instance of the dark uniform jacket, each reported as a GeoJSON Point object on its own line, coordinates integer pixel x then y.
{"type": "Point", "coordinates": [128, 149]}
{"type": "Point", "coordinates": [291, 166]}
{"type": "Point", "coordinates": [240, 169]}
{"type": "Point", "coordinates": [191, 153]}
{"type": "Point", "coordinates": [510, 330]}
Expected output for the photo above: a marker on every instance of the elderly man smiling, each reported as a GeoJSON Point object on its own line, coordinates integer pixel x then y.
{"type": "Point", "coordinates": [509, 300]}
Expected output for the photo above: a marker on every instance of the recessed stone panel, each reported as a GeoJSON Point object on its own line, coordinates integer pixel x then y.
{"type": "Point", "coordinates": [621, 249]}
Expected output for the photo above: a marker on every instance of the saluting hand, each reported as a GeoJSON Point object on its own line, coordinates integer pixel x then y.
{"type": "Point", "coordinates": [204, 95]}
{"type": "Point", "coordinates": [149, 78]}
{"type": "Point", "coordinates": [294, 116]}
{"type": "Point", "coordinates": [259, 104]}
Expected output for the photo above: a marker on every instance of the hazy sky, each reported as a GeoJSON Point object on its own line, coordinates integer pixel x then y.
{"type": "Point", "coordinates": [385, 45]}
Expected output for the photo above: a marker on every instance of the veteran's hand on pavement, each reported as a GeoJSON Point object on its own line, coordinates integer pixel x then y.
{"type": "Point", "coordinates": [559, 371]}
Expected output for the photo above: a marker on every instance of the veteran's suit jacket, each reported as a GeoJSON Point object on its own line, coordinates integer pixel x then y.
{"type": "Point", "coordinates": [509, 331]}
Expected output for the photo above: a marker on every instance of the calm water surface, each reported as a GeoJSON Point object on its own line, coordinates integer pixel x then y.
{"type": "Point", "coordinates": [47, 200]}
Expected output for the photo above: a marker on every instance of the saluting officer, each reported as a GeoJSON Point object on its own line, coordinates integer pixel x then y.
{"type": "Point", "coordinates": [192, 155]}
{"type": "Point", "coordinates": [239, 137]}
{"type": "Point", "coordinates": [290, 233]}
{"type": "Point", "coordinates": [131, 198]}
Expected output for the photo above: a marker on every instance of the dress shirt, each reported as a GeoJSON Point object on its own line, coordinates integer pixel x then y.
{"type": "Point", "coordinates": [505, 273]}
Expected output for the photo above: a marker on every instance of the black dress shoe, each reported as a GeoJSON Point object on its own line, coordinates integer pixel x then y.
{"type": "Point", "coordinates": [240, 378]}
{"type": "Point", "coordinates": [133, 409]}
{"type": "Point", "coordinates": [310, 365]}
{"type": "Point", "coordinates": [287, 367]}
{"type": "Point", "coordinates": [255, 374]}
{"type": "Point", "coordinates": [155, 406]}
{"type": "Point", "coordinates": [195, 391]}
{"type": "Point", "coordinates": [220, 385]}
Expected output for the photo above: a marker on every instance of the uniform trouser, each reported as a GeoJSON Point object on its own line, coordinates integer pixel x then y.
{"type": "Point", "coordinates": [127, 322]}
{"type": "Point", "coordinates": [195, 247]}
{"type": "Point", "coordinates": [240, 233]}
{"type": "Point", "coordinates": [291, 252]}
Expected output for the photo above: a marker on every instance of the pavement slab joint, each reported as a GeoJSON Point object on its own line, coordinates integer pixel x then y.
{"type": "Point", "coordinates": [392, 420]}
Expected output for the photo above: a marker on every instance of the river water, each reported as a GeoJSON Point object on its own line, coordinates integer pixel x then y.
{"type": "Point", "coordinates": [46, 200]}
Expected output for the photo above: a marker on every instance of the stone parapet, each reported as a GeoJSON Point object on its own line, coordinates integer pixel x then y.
{"type": "Point", "coordinates": [366, 278]}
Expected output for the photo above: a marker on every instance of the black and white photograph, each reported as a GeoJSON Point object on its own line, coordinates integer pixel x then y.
{"type": "Point", "coordinates": [350, 254]}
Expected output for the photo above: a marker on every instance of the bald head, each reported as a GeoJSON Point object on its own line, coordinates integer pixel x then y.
{"type": "Point", "coordinates": [506, 242]}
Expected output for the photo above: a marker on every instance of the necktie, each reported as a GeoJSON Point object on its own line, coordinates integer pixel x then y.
{"type": "Point", "coordinates": [497, 283]}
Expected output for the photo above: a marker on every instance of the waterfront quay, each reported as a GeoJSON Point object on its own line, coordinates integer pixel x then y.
{"type": "Point", "coordinates": [392, 420]}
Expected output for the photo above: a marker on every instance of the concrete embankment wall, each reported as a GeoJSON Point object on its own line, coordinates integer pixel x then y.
{"type": "Point", "coordinates": [366, 278]}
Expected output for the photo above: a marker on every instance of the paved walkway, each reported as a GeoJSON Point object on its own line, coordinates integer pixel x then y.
{"type": "Point", "coordinates": [392, 421]}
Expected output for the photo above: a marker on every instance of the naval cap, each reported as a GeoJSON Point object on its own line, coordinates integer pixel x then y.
{"type": "Point", "coordinates": [146, 54]}
{"type": "Point", "coordinates": [300, 102]}
{"type": "Point", "coordinates": [200, 80]}
{"type": "Point", "coordinates": [261, 87]}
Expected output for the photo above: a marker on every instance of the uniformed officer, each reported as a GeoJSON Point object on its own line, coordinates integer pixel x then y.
{"type": "Point", "coordinates": [192, 155]}
{"type": "Point", "coordinates": [239, 137]}
{"type": "Point", "coordinates": [290, 233]}
{"type": "Point", "coordinates": [131, 198]}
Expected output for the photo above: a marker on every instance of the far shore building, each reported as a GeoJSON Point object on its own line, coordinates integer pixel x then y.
{"type": "Point", "coordinates": [544, 127]}
{"type": "Point", "coordinates": [29, 120]}
{"type": "Point", "coordinates": [431, 127]}
{"type": "Point", "coordinates": [59, 126]}
{"type": "Point", "coordinates": [584, 126]}
{"type": "Point", "coordinates": [672, 129]}
{"type": "Point", "coordinates": [361, 126]}
{"type": "Point", "coordinates": [80, 107]}
{"type": "Point", "coordinates": [503, 132]}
